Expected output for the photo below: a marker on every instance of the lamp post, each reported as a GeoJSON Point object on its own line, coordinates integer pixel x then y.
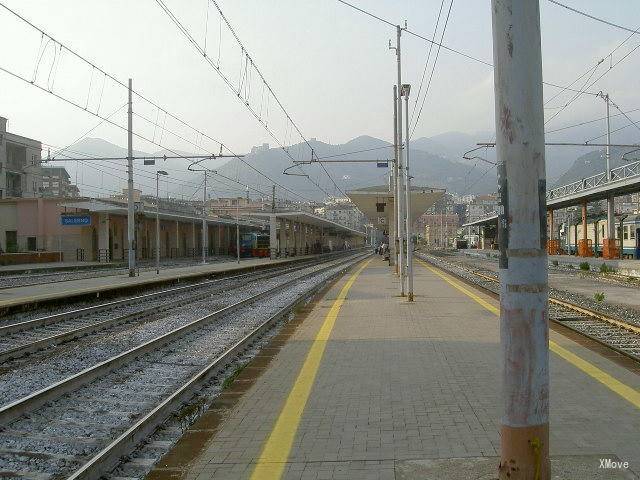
{"type": "Point", "coordinates": [158, 173]}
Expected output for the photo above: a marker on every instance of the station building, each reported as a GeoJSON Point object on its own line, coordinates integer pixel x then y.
{"type": "Point", "coordinates": [95, 229]}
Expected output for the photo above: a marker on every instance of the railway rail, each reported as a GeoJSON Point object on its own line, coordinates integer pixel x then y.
{"type": "Point", "coordinates": [617, 334]}
{"type": "Point", "coordinates": [105, 411]}
{"type": "Point", "coordinates": [9, 280]}
{"type": "Point", "coordinates": [22, 338]}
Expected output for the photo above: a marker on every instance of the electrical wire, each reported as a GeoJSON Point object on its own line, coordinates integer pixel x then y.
{"type": "Point", "coordinates": [124, 85]}
{"type": "Point", "coordinates": [433, 69]}
{"type": "Point", "coordinates": [426, 63]}
{"type": "Point", "coordinates": [417, 35]}
{"type": "Point", "coordinates": [611, 67]}
{"type": "Point", "coordinates": [237, 91]}
{"type": "Point", "coordinates": [597, 19]}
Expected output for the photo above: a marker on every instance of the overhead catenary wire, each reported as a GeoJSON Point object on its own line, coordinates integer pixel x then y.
{"type": "Point", "coordinates": [433, 69]}
{"type": "Point", "coordinates": [447, 48]}
{"type": "Point", "coordinates": [94, 68]}
{"type": "Point", "coordinates": [611, 67]}
{"type": "Point", "coordinates": [426, 63]}
{"type": "Point", "coordinates": [248, 60]}
{"type": "Point", "coordinates": [593, 17]}
{"type": "Point", "coordinates": [417, 35]}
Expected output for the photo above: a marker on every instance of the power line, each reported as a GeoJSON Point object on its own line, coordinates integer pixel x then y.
{"type": "Point", "coordinates": [238, 91]}
{"type": "Point", "coordinates": [597, 19]}
{"type": "Point", "coordinates": [124, 85]}
{"type": "Point", "coordinates": [567, 127]}
{"type": "Point", "coordinates": [453, 50]}
{"type": "Point", "coordinates": [611, 67]}
{"type": "Point", "coordinates": [433, 69]}
{"type": "Point", "coordinates": [439, 44]}
{"type": "Point", "coordinates": [352, 153]}
{"type": "Point", "coordinates": [426, 63]}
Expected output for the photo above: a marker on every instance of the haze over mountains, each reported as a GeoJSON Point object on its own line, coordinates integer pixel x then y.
{"type": "Point", "coordinates": [435, 161]}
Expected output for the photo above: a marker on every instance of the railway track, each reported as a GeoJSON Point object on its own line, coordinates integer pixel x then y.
{"type": "Point", "coordinates": [40, 278]}
{"type": "Point", "coordinates": [617, 334]}
{"type": "Point", "coordinates": [80, 427]}
{"type": "Point", "coordinates": [22, 338]}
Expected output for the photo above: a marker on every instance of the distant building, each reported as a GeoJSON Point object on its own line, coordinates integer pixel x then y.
{"type": "Point", "coordinates": [260, 148]}
{"type": "Point", "coordinates": [20, 170]}
{"type": "Point", "coordinates": [440, 229]}
{"type": "Point", "coordinates": [481, 206]}
{"type": "Point", "coordinates": [342, 211]}
{"type": "Point", "coordinates": [56, 182]}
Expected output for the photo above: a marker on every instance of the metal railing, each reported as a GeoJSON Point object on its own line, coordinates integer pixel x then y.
{"type": "Point", "coordinates": [623, 172]}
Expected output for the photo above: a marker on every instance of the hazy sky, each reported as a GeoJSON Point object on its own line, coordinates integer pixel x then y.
{"type": "Point", "coordinates": [329, 65]}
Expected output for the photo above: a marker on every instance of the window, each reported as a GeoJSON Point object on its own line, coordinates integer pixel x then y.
{"type": "Point", "coordinates": [626, 232]}
{"type": "Point", "coordinates": [32, 244]}
{"type": "Point", "coordinates": [632, 231]}
{"type": "Point", "coordinates": [11, 241]}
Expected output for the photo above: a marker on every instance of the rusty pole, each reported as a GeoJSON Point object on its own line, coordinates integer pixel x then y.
{"type": "Point", "coordinates": [524, 330]}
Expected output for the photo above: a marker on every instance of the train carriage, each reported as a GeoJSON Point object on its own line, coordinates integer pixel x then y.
{"type": "Point", "coordinates": [627, 235]}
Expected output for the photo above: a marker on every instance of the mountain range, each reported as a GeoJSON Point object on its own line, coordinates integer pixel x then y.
{"type": "Point", "coordinates": [435, 161]}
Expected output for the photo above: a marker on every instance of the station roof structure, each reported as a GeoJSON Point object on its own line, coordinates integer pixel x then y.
{"type": "Point", "coordinates": [309, 219]}
{"type": "Point", "coordinates": [376, 203]}
{"type": "Point", "coordinates": [483, 222]}
{"type": "Point", "coordinates": [116, 208]}
{"type": "Point", "coordinates": [624, 180]}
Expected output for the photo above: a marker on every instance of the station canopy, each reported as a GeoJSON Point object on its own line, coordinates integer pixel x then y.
{"type": "Point", "coordinates": [376, 203]}
{"type": "Point", "coordinates": [307, 218]}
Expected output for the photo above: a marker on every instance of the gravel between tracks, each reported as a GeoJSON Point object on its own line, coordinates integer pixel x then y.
{"type": "Point", "coordinates": [101, 346]}
{"type": "Point", "coordinates": [629, 315]}
{"type": "Point", "coordinates": [86, 420]}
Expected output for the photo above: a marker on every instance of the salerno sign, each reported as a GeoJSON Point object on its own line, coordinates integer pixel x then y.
{"type": "Point", "coordinates": [75, 220]}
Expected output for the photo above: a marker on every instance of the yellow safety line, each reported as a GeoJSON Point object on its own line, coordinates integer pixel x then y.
{"type": "Point", "coordinates": [628, 393]}
{"type": "Point", "coordinates": [276, 450]}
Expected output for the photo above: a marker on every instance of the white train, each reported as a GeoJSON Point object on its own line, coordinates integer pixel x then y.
{"type": "Point", "coordinates": [627, 232]}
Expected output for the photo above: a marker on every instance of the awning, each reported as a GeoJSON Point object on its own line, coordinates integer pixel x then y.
{"type": "Point", "coordinates": [376, 203]}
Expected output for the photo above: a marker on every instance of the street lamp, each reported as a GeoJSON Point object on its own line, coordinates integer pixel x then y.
{"type": "Point", "coordinates": [158, 173]}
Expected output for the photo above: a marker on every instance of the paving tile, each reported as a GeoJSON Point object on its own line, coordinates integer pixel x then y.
{"type": "Point", "coordinates": [407, 382]}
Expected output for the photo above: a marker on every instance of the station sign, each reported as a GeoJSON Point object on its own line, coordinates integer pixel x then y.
{"type": "Point", "coordinates": [75, 220]}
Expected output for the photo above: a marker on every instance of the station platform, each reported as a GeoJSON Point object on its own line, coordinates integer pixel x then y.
{"type": "Point", "coordinates": [364, 385]}
{"type": "Point", "coordinates": [31, 295]}
{"type": "Point", "coordinates": [50, 266]}
{"type": "Point", "coordinates": [627, 267]}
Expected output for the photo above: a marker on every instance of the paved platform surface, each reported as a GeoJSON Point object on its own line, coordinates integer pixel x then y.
{"type": "Point", "coordinates": [101, 283]}
{"type": "Point", "coordinates": [371, 387]}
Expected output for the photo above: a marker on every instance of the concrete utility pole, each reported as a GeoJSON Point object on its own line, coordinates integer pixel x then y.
{"type": "Point", "coordinates": [273, 229]}
{"type": "Point", "coordinates": [131, 243]}
{"type": "Point", "coordinates": [238, 231]}
{"type": "Point", "coordinates": [524, 329]}
{"type": "Point", "coordinates": [158, 173]}
{"type": "Point", "coordinates": [204, 220]}
{"type": "Point", "coordinates": [406, 88]}
{"type": "Point", "coordinates": [394, 242]}
{"type": "Point", "coordinates": [400, 216]}
{"type": "Point", "coordinates": [611, 227]}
